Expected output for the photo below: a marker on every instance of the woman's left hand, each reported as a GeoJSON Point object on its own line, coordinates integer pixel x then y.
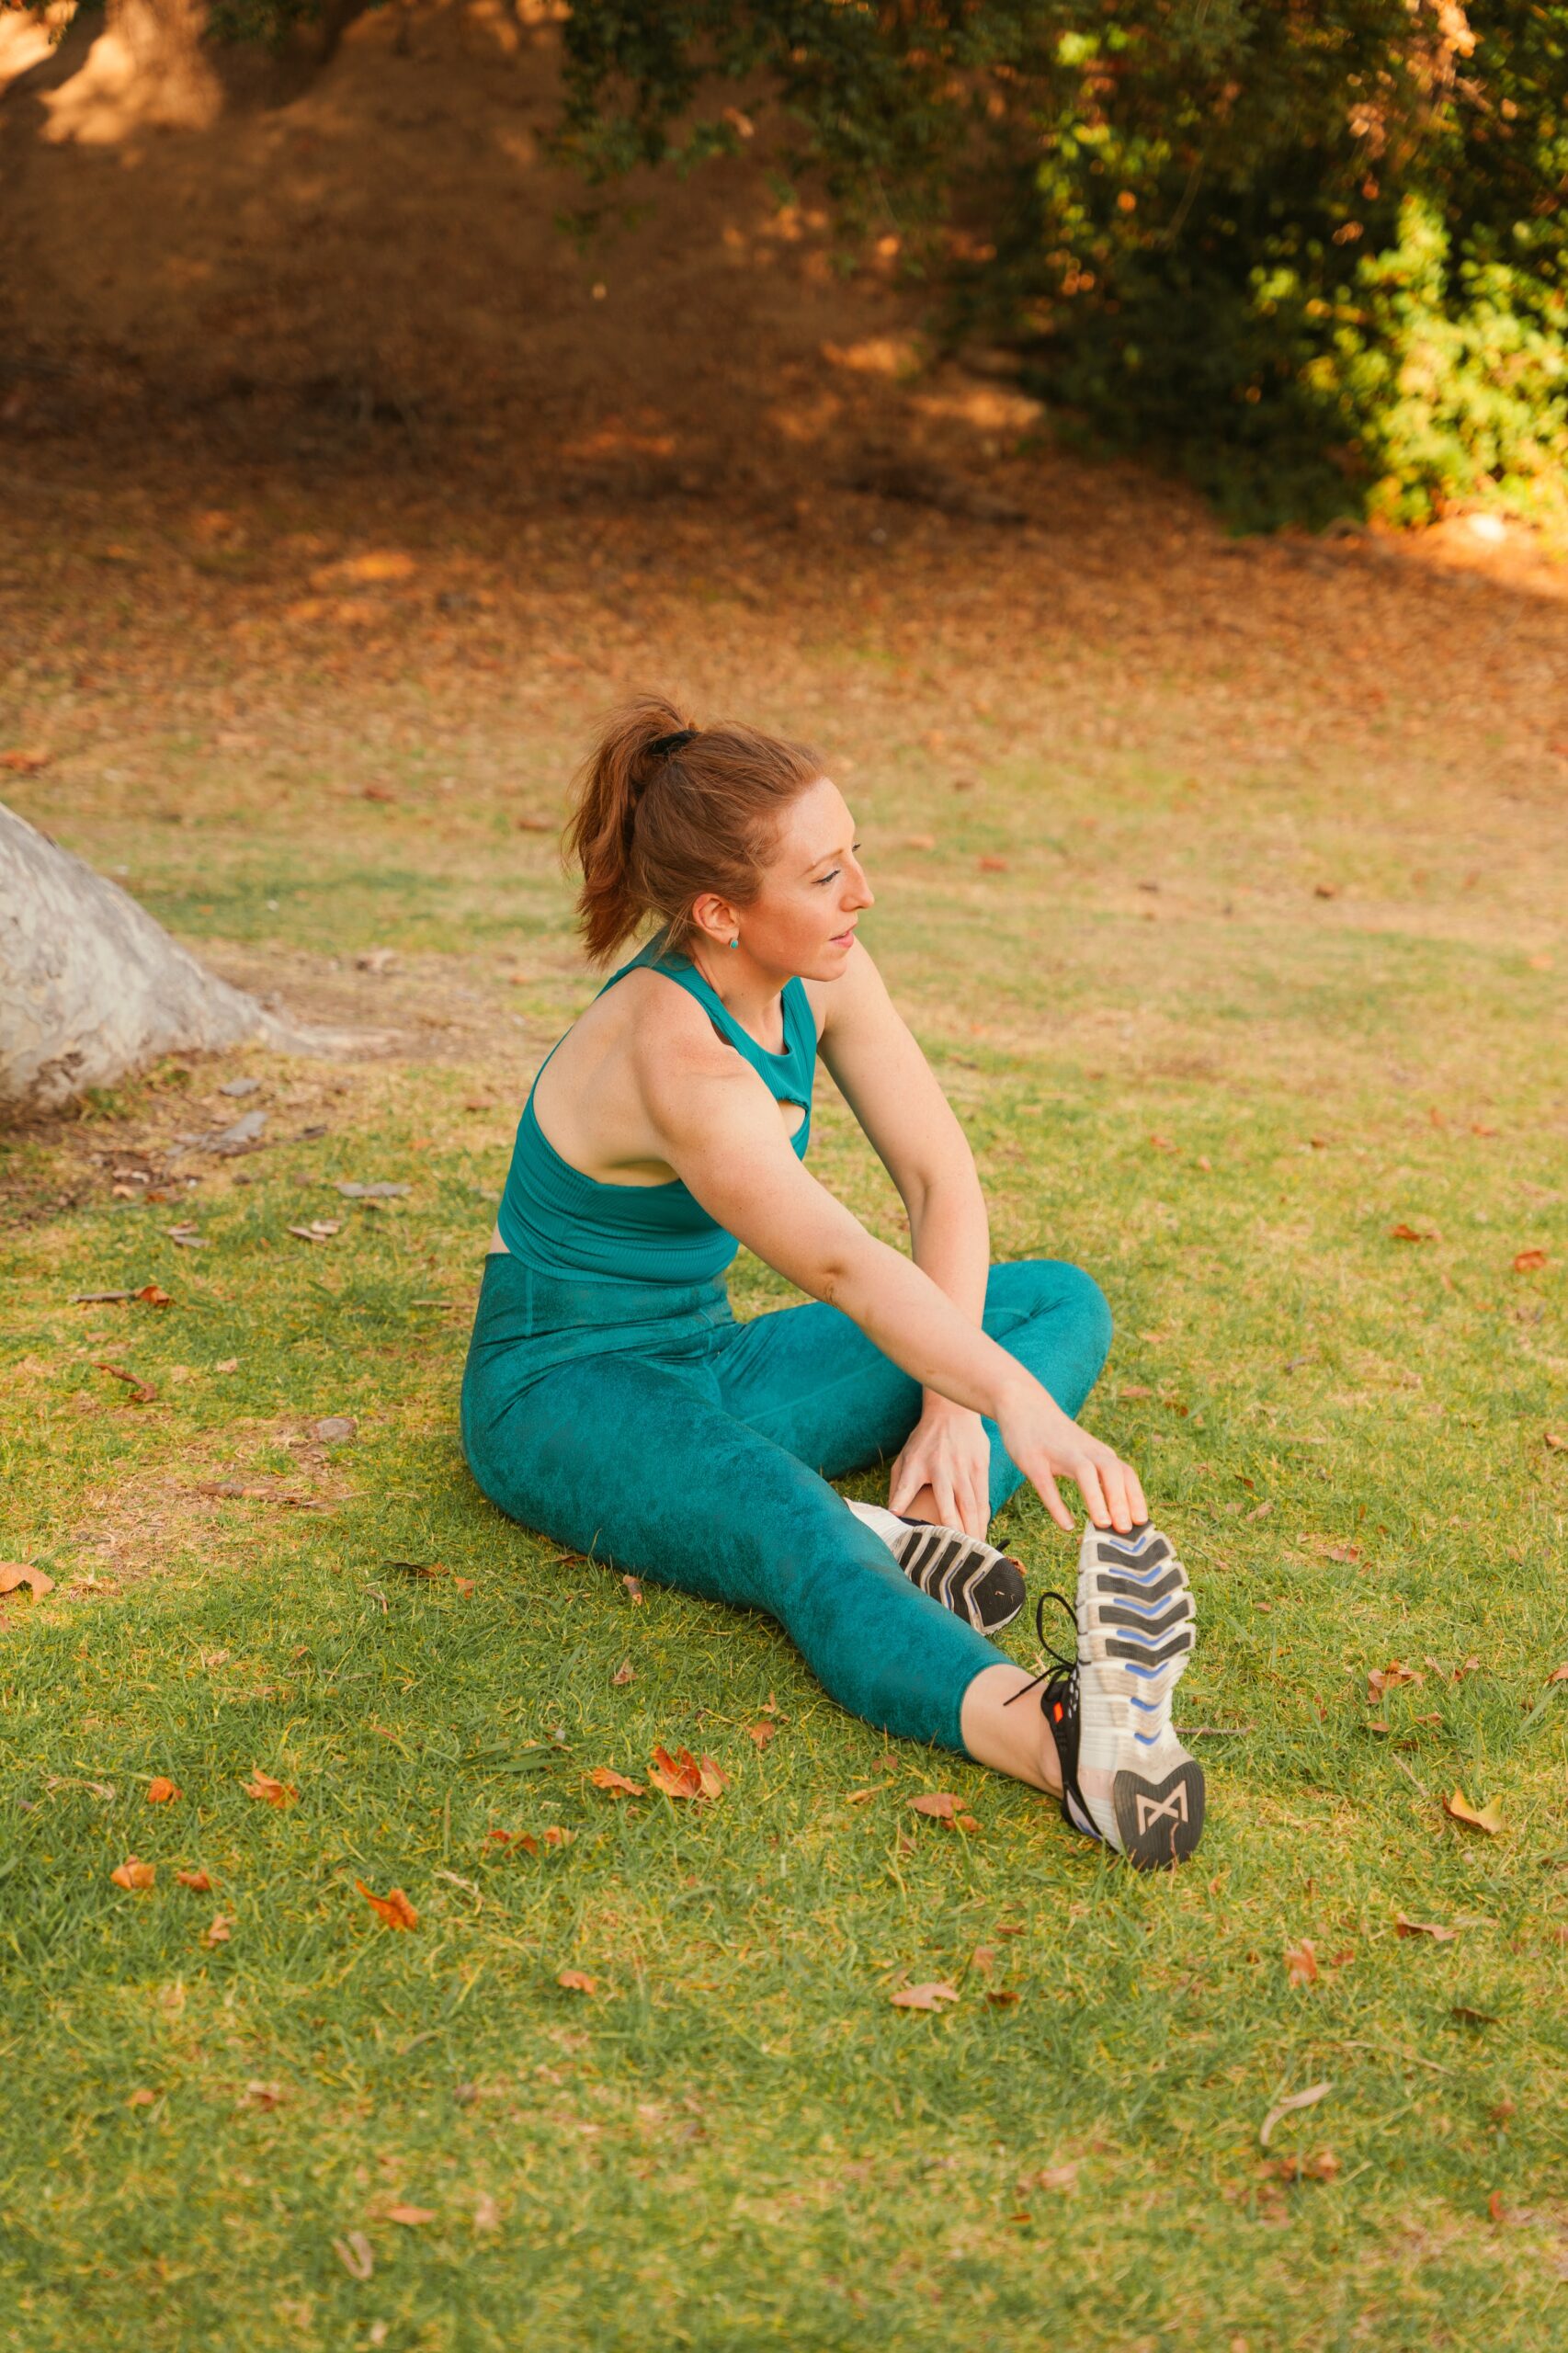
{"type": "Point", "coordinates": [947, 1450]}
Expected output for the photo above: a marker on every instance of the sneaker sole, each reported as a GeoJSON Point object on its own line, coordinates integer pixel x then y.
{"type": "Point", "coordinates": [1135, 1635]}
{"type": "Point", "coordinates": [972, 1579]}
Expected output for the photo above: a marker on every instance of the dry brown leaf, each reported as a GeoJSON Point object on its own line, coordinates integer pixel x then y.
{"type": "Point", "coordinates": [198, 1881]}
{"type": "Point", "coordinates": [1388, 1678]}
{"type": "Point", "coordinates": [1559, 1674]}
{"type": "Point", "coordinates": [761, 1733]}
{"type": "Point", "coordinates": [1556, 1440]}
{"type": "Point", "coordinates": [1487, 1817]}
{"type": "Point", "coordinates": [1003, 1997]}
{"type": "Point", "coordinates": [262, 1786]}
{"type": "Point", "coordinates": [135, 1875]}
{"type": "Point", "coordinates": [625, 1673]}
{"type": "Point", "coordinates": [161, 1790]}
{"type": "Point", "coordinates": [19, 1573]}
{"type": "Point", "coordinates": [1061, 2181]}
{"type": "Point", "coordinates": [633, 1588]}
{"type": "Point", "coordinates": [141, 2098]}
{"type": "Point", "coordinates": [409, 2216]}
{"type": "Point", "coordinates": [1530, 1262]}
{"type": "Point", "coordinates": [141, 1392]}
{"type": "Point", "coordinates": [555, 1837]}
{"type": "Point", "coordinates": [265, 2096]}
{"type": "Point", "coordinates": [929, 1997]}
{"type": "Point", "coordinates": [939, 1804]}
{"type": "Point", "coordinates": [394, 1908]}
{"type": "Point", "coordinates": [577, 1980]}
{"type": "Point", "coordinates": [1403, 1232]}
{"type": "Point", "coordinates": [221, 1930]}
{"type": "Point", "coordinates": [1283, 2108]}
{"type": "Point", "coordinates": [154, 1295]}
{"type": "Point", "coordinates": [681, 1776]}
{"type": "Point", "coordinates": [355, 2254]}
{"type": "Point", "coordinates": [993, 865]}
{"type": "Point", "coordinates": [604, 1777]}
{"type": "Point", "coordinates": [858, 1797]}
{"type": "Point", "coordinates": [25, 763]}
{"type": "Point", "coordinates": [1302, 1964]}
{"type": "Point", "coordinates": [1439, 1936]}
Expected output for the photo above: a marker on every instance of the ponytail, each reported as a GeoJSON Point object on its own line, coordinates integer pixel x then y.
{"type": "Point", "coordinates": [664, 811]}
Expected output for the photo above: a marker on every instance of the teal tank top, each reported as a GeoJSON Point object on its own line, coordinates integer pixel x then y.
{"type": "Point", "coordinates": [563, 1223]}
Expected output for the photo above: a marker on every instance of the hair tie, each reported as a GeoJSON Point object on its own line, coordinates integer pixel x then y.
{"type": "Point", "coordinates": [665, 744]}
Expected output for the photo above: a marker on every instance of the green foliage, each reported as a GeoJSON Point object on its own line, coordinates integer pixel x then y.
{"type": "Point", "coordinates": [1315, 256]}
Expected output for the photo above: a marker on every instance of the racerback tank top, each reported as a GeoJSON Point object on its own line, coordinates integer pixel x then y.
{"type": "Point", "coordinates": [563, 1223]}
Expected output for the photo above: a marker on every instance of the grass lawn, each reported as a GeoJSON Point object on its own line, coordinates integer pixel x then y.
{"type": "Point", "coordinates": [1228, 1006]}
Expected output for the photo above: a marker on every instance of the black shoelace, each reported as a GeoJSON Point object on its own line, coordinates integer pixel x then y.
{"type": "Point", "coordinates": [1064, 1665]}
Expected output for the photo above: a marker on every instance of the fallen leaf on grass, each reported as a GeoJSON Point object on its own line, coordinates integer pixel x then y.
{"type": "Point", "coordinates": [25, 763]}
{"type": "Point", "coordinates": [1439, 1935]}
{"type": "Point", "coordinates": [19, 1573]}
{"type": "Point", "coordinates": [220, 1932]}
{"type": "Point", "coordinates": [1302, 1964]}
{"type": "Point", "coordinates": [334, 1428]}
{"type": "Point", "coordinates": [141, 1392]}
{"type": "Point", "coordinates": [227, 1364]}
{"type": "Point", "coordinates": [320, 1229]}
{"type": "Point", "coordinates": [355, 2254]}
{"type": "Point", "coordinates": [1559, 1674]}
{"type": "Point", "coordinates": [1463, 2011]}
{"type": "Point", "coordinates": [576, 1981]}
{"type": "Point", "coordinates": [633, 1589]}
{"type": "Point", "coordinates": [1002, 1996]}
{"type": "Point", "coordinates": [993, 865]}
{"type": "Point", "coordinates": [624, 1674]}
{"type": "Point", "coordinates": [1487, 1817]}
{"type": "Point", "coordinates": [681, 1776]}
{"type": "Point", "coordinates": [263, 1786]}
{"type": "Point", "coordinates": [161, 1790]}
{"type": "Point", "coordinates": [486, 2212]}
{"type": "Point", "coordinates": [858, 1797]}
{"type": "Point", "coordinates": [264, 2095]}
{"type": "Point", "coordinates": [135, 1875]}
{"type": "Point", "coordinates": [761, 1733]}
{"type": "Point", "coordinates": [409, 2216]}
{"type": "Point", "coordinates": [394, 1908]}
{"type": "Point", "coordinates": [198, 1881]}
{"type": "Point", "coordinates": [604, 1777]}
{"type": "Point", "coordinates": [925, 1998]}
{"type": "Point", "coordinates": [1555, 1439]}
{"type": "Point", "coordinates": [939, 1804]}
{"type": "Point", "coordinates": [1403, 1232]}
{"type": "Point", "coordinates": [554, 1835]}
{"type": "Point", "coordinates": [1283, 2108]}
{"type": "Point", "coordinates": [1530, 1262]}
{"type": "Point", "coordinates": [1131, 1390]}
{"type": "Point", "coordinates": [141, 2098]}
{"type": "Point", "coordinates": [1061, 2181]}
{"type": "Point", "coordinates": [154, 1295]}
{"type": "Point", "coordinates": [1388, 1678]}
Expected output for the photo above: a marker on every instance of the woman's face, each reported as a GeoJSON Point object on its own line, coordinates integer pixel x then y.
{"type": "Point", "coordinates": [802, 920]}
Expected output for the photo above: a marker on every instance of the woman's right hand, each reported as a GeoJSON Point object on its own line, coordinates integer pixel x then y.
{"type": "Point", "coordinates": [1047, 1446]}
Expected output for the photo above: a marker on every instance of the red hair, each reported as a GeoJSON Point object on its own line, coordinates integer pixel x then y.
{"type": "Point", "coordinates": [652, 830]}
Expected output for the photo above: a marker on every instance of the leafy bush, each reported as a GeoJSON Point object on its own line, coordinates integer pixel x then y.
{"type": "Point", "coordinates": [1314, 255]}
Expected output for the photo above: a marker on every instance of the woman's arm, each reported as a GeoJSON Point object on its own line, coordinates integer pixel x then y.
{"type": "Point", "coordinates": [720, 1130]}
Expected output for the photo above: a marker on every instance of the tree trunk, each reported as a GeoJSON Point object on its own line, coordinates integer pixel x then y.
{"type": "Point", "coordinates": [91, 987]}
{"type": "Point", "coordinates": [147, 70]}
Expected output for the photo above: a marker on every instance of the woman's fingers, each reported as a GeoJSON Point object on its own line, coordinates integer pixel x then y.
{"type": "Point", "coordinates": [1089, 1477]}
{"type": "Point", "coordinates": [1135, 1496]}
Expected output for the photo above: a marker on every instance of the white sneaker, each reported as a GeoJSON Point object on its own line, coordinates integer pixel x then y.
{"type": "Point", "coordinates": [966, 1574]}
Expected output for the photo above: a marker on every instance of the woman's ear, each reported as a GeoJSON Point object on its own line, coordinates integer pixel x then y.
{"type": "Point", "coordinates": [714, 918]}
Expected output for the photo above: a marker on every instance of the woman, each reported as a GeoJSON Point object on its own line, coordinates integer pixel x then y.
{"type": "Point", "coordinates": [612, 1399]}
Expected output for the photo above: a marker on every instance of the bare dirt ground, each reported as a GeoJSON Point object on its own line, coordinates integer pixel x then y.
{"type": "Point", "coordinates": [343, 491]}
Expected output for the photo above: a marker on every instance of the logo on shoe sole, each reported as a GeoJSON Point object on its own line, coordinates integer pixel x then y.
{"type": "Point", "coordinates": [1151, 1810]}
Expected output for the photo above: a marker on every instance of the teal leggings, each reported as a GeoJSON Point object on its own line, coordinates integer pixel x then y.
{"type": "Point", "coordinates": [642, 1423]}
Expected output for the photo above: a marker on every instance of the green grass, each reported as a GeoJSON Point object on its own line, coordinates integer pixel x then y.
{"type": "Point", "coordinates": [737, 2142]}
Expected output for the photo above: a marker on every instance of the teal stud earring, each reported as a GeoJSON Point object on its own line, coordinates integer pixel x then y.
{"type": "Point", "coordinates": [736, 942]}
